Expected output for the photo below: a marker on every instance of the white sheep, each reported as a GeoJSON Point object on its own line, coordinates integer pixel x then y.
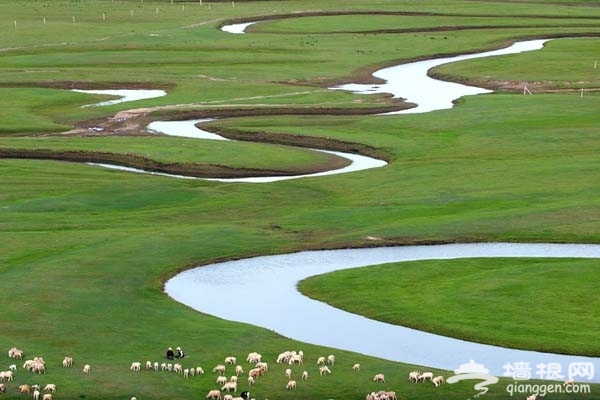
{"type": "Point", "coordinates": [12, 367]}
{"type": "Point", "coordinates": [379, 378]}
{"type": "Point", "coordinates": [356, 367]}
{"type": "Point", "coordinates": [199, 371]}
{"type": "Point", "coordinates": [254, 357]}
{"type": "Point", "coordinates": [228, 397]}
{"type": "Point", "coordinates": [177, 368]}
{"type": "Point", "coordinates": [321, 361]}
{"type": "Point", "coordinates": [304, 375]}
{"type": "Point", "coordinates": [47, 396]}
{"type": "Point", "coordinates": [413, 376]}
{"type": "Point", "coordinates": [24, 389]}
{"type": "Point", "coordinates": [251, 381]}
{"type": "Point", "coordinates": [36, 395]}
{"type": "Point", "coordinates": [331, 359]}
{"type": "Point", "coordinates": [288, 373]}
{"type": "Point", "coordinates": [569, 382]}
{"type": "Point", "coordinates": [155, 366]}
{"type": "Point", "coordinates": [186, 372]}
{"type": "Point", "coordinates": [233, 378]}
{"type": "Point", "coordinates": [296, 359]}
{"type": "Point", "coordinates": [263, 365]}
{"type": "Point", "coordinates": [230, 360]}
{"type": "Point", "coordinates": [214, 394]}
{"type": "Point", "coordinates": [163, 366]}
{"type": "Point", "coordinates": [284, 357]}
{"type": "Point", "coordinates": [426, 376]}
{"type": "Point", "coordinates": [391, 395]}
{"type": "Point", "coordinates": [2, 388]}
{"type": "Point", "coordinates": [221, 380]}
{"type": "Point", "coordinates": [229, 386]}
{"type": "Point", "coordinates": [532, 397]}
{"type": "Point", "coordinates": [438, 380]}
{"type": "Point", "coordinates": [148, 365]}
{"type": "Point", "coordinates": [136, 366]}
{"type": "Point", "coordinates": [50, 387]}
{"type": "Point", "coordinates": [6, 376]}
{"type": "Point", "coordinates": [220, 369]}
{"type": "Point", "coordinates": [67, 362]}
{"type": "Point", "coordinates": [291, 385]}
{"type": "Point", "coordinates": [239, 370]}
{"type": "Point", "coordinates": [324, 370]}
{"type": "Point", "coordinates": [87, 369]}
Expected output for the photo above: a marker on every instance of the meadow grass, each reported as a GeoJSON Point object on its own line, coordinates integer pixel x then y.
{"type": "Point", "coordinates": [85, 251]}
{"type": "Point", "coordinates": [523, 303]}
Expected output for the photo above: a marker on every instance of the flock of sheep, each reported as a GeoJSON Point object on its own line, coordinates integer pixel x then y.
{"type": "Point", "coordinates": [228, 385]}
{"type": "Point", "coordinates": [36, 365]}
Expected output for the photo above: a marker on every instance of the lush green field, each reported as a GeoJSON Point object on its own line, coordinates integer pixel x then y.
{"type": "Point", "coordinates": [84, 251]}
{"type": "Point", "coordinates": [524, 303]}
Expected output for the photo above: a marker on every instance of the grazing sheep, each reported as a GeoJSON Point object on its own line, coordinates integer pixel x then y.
{"type": "Point", "coordinates": [569, 382]}
{"type": "Point", "coordinates": [169, 367]}
{"type": "Point", "coordinates": [426, 376]}
{"type": "Point", "coordinates": [51, 388]}
{"type": "Point", "coordinates": [221, 380]}
{"type": "Point", "coordinates": [25, 389]}
{"type": "Point", "coordinates": [256, 372]}
{"type": "Point", "coordinates": [6, 376]}
{"type": "Point", "coordinates": [356, 367]}
{"type": "Point", "coordinates": [438, 380]}
{"type": "Point", "coordinates": [214, 394]}
{"type": "Point", "coordinates": [288, 373]}
{"type": "Point", "coordinates": [228, 397]}
{"type": "Point", "coordinates": [304, 375]}
{"type": "Point", "coordinates": [251, 381]}
{"type": "Point", "coordinates": [177, 368]}
{"type": "Point", "coordinates": [15, 353]}
{"type": "Point", "coordinates": [155, 365]}
{"type": "Point", "coordinates": [254, 357]}
{"type": "Point", "coordinates": [391, 395]}
{"type": "Point", "coordinates": [136, 366]}
{"type": "Point", "coordinates": [291, 385]}
{"type": "Point", "coordinates": [87, 369]}
{"type": "Point", "coordinates": [233, 378]}
{"type": "Point", "coordinates": [2, 388]}
{"type": "Point", "coordinates": [321, 361]}
{"type": "Point", "coordinates": [230, 360]}
{"type": "Point", "coordinates": [47, 396]}
{"type": "Point", "coordinates": [379, 378]}
{"type": "Point", "coordinates": [532, 397]}
{"type": "Point", "coordinates": [67, 362]}
{"type": "Point", "coordinates": [413, 376]}
{"type": "Point", "coordinates": [263, 365]}
{"type": "Point", "coordinates": [220, 369]}
{"type": "Point", "coordinates": [163, 366]}
{"type": "Point", "coordinates": [296, 359]}
{"type": "Point", "coordinates": [192, 371]}
{"type": "Point", "coordinates": [199, 371]}
{"type": "Point", "coordinates": [36, 394]}
{"type": "Point", "coordinates": [229, 386]}
{"type": "Point", "coordinates": [331, 359]}
{"type": "Point", "coordinates": [35, 387]}
{"type": "Point", "coordinates": [324, 370]}
{"type": "Point", "coordinates": [133, 398]}
{"type": "Point", "coordinates": [12, 367]}
{"type": "Point", "coordinates": [148, 365]}
{"type": "Point", "coordinates": [239, 370]}
{"type": "Point", "coordinates": [186, 372]}
{"type": "Point", "coordinates": [284, 357]}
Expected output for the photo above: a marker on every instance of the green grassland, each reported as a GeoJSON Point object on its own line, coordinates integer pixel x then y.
{"type": "Point", "coordinates": [84, 251]}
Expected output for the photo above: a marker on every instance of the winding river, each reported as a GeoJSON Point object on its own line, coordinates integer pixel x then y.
{"type": "Point", "coordinates": [272, 280]}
